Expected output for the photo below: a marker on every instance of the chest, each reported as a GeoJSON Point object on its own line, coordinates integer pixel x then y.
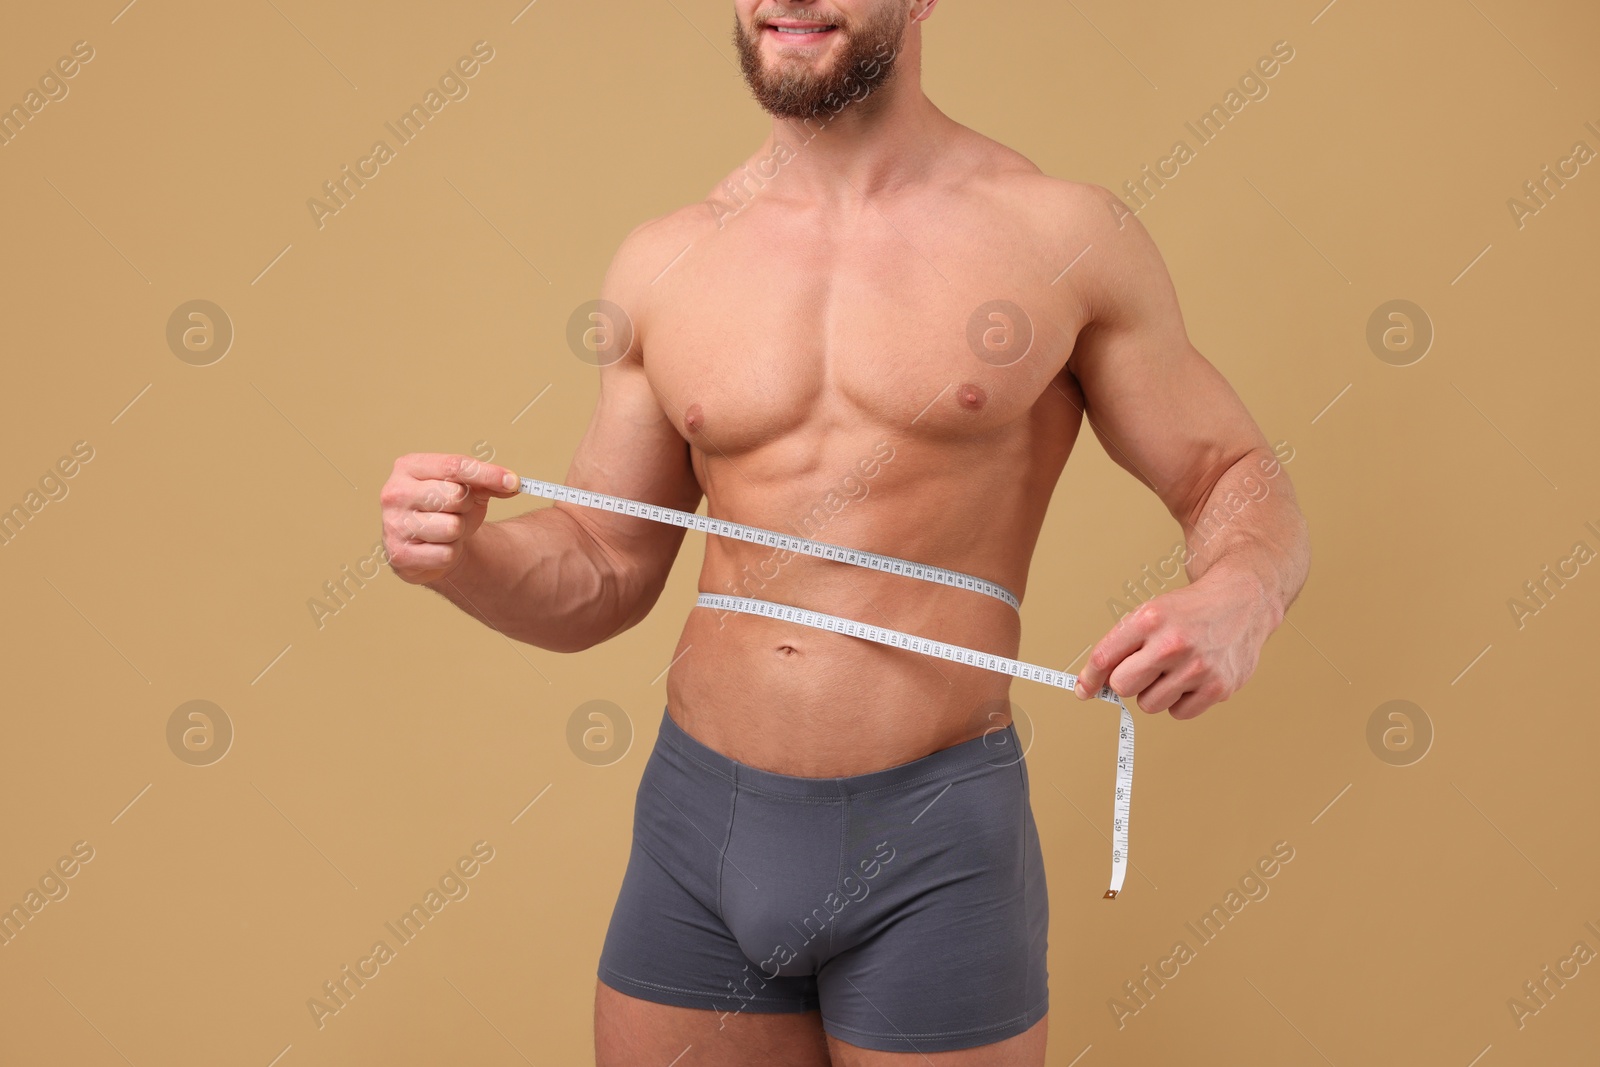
{"type": "Point", "coordinates": [935, 326]}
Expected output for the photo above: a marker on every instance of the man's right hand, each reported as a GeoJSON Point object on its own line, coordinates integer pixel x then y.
{"type": "Point", "coordinates": [432, 503]}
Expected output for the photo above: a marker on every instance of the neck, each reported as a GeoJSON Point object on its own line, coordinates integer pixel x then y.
{"type": "Point", "coordinates": [875, 144]}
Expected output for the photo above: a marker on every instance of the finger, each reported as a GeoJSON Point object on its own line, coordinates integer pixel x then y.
{"type": "Point", "coordinates": [1163, 693]}
{"type": "Point", "coordinates": [1136, 673]}
{"type": "Point", "coordinates": [1124, 638]}
{"type": "Point", "coordinates": [463, 469]}
{"type": "Point", "coordinates": [1191, 704]}
{"type": "Point", "coordinates": [433, 527]}
{"type": "Point", "coordinates": [445, 496]}
{"type": "Point", "coordinates": [416, 557]}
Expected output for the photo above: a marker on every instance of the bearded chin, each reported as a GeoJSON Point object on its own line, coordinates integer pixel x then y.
{"type": "Point", "coordinates": [798, 92]}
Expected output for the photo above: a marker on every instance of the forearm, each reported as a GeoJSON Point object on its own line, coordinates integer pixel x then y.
{"type": "Point", "coordinates": [540, 578]}
{"type": "Point", "coordinates": [1250, 528]}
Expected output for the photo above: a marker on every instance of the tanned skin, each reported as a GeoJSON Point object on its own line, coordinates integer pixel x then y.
{"type": "Point", "coordinates": [781, 344]}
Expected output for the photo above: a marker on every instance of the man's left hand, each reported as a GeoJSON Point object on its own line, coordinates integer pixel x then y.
{"type": "Point", "coordinates": [1187, 649]}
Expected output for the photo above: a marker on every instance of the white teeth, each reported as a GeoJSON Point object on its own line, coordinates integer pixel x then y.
{"type": "Point", "coordinates": [796, 29]}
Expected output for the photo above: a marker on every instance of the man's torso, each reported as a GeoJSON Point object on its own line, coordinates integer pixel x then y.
{"type": "Point", "coordinates": [823, 364]}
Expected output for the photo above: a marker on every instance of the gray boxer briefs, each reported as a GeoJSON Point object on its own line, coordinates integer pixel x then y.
{"type": "Point", "coordinates": [907, 904]}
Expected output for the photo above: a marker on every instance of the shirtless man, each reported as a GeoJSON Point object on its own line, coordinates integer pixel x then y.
{"type": "Point", "coordinates": [834, 860]}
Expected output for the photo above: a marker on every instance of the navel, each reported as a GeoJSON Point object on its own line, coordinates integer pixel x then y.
{"type": "Point", "coordinates": [694, 419]}
{"type": "Point", "coordinates": [971, 397]}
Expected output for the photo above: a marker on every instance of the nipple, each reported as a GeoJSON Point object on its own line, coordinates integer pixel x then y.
{"type": "Point", "coordinates": [971, 397]}
{"type": "Point", "coordinates": [694, 418]}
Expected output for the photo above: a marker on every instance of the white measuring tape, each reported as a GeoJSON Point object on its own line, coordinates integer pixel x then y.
{"type": "Point", "coordinates": [894, 638]}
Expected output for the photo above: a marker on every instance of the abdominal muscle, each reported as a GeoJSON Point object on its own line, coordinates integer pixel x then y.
{"type": "Point", "coordinates": [797, 700]}
{"type": "Point", "coordinates": [794, 699]}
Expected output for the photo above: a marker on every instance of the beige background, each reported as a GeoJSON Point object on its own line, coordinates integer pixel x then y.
{"type": "Point", "coordinates": [372, 752]}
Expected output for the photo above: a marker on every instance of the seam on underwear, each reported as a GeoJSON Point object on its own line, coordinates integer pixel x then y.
{"type": "Point", "coordinates": [727, 840]}
{"type": "Point", "coordinates": [838, 874]}
{"type": "Point", "coordinates": [686, 754]}
{"type": "Point", "coordinates": [1022, 843]}
{"type": "Point", "coordinates": [930, 776]}
{"type": "Point", "coordinates": [701, 994]}
{"type": "Point", "coordinates": [666, 869]}
{"type": "Point", "coordinates": [834, 1025]}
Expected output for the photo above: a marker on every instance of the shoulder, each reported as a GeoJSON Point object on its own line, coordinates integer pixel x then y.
{"type": "Point", "coordinates": [652, 245]}
{"type": "Point", "coordinates": [641, 257]}
{"type": "Point", "coordinates": [1116, 260]}
{"type": "Point", "coordinates": [1063, 211]}
{"type": "Point", "coordinates": [1076, 222]}
{"type": "Point", "coordinates": [1066, 209]}
{"type": "Point", "coordinates": [1048, 200]}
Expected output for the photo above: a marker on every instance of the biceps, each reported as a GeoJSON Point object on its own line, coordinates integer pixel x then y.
{"type": "Point", "coordinates": [631, 449]}
{"type": "Point", "coordinates": [1170, 419]}
{"type": "Point", "coordinates": [1162, 411]}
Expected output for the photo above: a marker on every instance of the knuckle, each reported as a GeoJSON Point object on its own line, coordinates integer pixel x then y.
{"type": "Point", "coordinates": [1175, 644]}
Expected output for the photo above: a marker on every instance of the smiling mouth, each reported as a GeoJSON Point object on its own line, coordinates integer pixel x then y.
{"type": "Point", "coordinates": [800, 32]}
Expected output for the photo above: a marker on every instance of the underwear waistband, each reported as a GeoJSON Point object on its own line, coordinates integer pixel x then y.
{"type": "Point", "coordinates": [997, 747]}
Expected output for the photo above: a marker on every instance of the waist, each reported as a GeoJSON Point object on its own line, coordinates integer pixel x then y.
{"type": "Point", "coordinates": [805, 702]}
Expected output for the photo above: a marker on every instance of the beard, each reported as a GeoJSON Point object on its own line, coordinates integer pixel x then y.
{"type": "Point", "coordinates": [795, 90]}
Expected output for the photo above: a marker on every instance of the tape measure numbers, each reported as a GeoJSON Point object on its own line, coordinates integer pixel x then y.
{"type": "Point", "coordinates": [1122, 801]}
